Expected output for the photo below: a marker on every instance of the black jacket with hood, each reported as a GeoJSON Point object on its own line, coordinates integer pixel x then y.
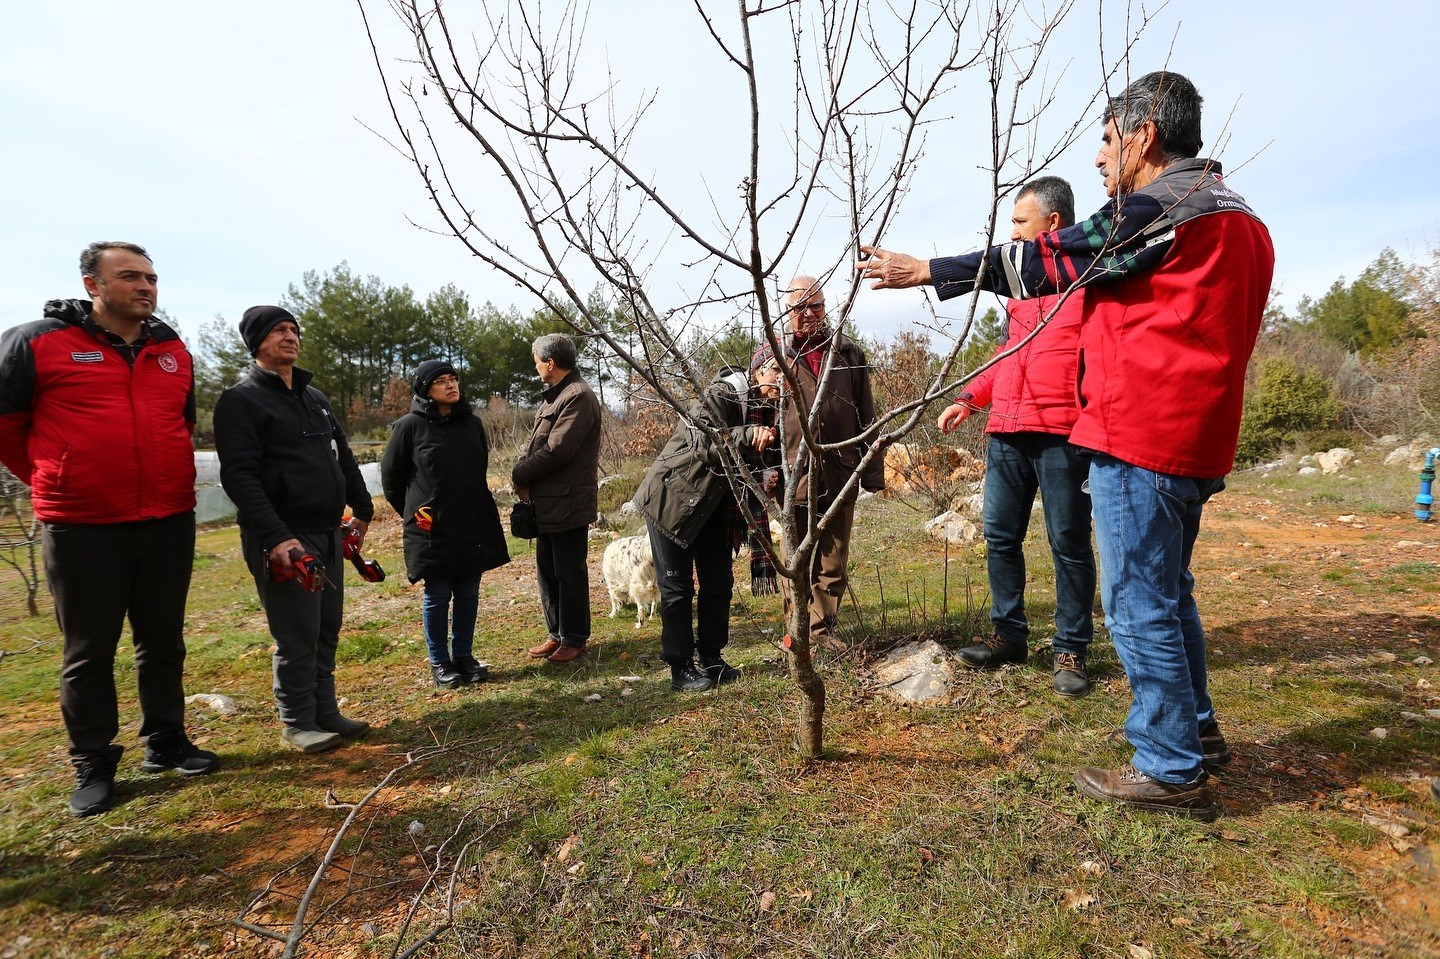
{"type": "Point", "coordinates": [440, 462]}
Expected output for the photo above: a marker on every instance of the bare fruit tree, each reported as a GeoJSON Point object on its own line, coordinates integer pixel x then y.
{"type": "Point", "coordinates": [550, 165]}
{"type": "Point", "coordinates": [20, 536]}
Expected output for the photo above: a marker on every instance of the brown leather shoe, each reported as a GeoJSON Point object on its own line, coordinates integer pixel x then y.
{"type": "Point", "coordinates": [544, 649]}
{"type": "Point", "coordinates": [1131, 787]}
{"type": "Point", "coordinates": [566, 654]}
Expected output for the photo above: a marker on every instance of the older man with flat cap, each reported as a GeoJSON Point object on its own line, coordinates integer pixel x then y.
{"type": "Point", "coordinates": [285, 462]}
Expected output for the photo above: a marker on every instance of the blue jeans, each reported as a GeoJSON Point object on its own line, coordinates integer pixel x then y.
{"type": "Point", "coordinates": [1145, 528]}
{"type": "Point", "coordinates": [1016, 465]}
{"type": "Point", "coordinates": [449, 607]}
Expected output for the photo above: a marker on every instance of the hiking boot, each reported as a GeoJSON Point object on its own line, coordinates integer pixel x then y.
{"type": "Point", "coordinates": [995, 652]}
{"type": "Point", "coordinates": [1130, 787]}
{"type": "Point", "coordinates": [95, 781]}
{"type": "Point", "coordinates": [179, 754]}
{"type": "Point", "coordinates": [342, 727]}
{"type": "Point", "coordinates": [1215, 752]}
{"type": "Point", "coordinates": [446, 675]}
{"type": "Point", "coordinates": [1069, 676]}
{"type": "Point", "coordinates": [309, 740]}
{"type": "Point", "coordinates": [1212, 744]}
{"type": "Point", "coordinates": [718, 671]}
{"type": "Point", "coordinates": [472, 670]}
{"type": "Point", "coordinates": [685, 678]}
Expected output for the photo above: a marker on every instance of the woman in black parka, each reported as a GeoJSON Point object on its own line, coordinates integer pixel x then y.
{"type": "Point", "coordinates": [433, 474]}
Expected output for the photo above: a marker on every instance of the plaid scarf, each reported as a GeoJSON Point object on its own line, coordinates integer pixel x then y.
{"type": "Point", "coordinates": [763, 580]}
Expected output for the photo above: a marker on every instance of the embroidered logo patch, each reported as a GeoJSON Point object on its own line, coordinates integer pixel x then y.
{"type": "Point", "coordinates": [167, 362]}
{"type": "Point", "coordinates": [95, 357]}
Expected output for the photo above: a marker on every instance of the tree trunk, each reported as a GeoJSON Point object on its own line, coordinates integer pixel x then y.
{"type": "Point", "coordinates": [810, 730]}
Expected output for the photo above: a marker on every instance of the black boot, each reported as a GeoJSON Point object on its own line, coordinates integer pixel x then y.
{"type": "Point", "coordinates": [95, 781]}
{"type": "Point", "coordinates": [472, 670]}
{"type": "Point", "coordinates": [994, 652]}
{"type": "Point", "coordinates": [685, 678]}
{"type": "Point", "coordinates": [719, 671]}
{"type": "Point", "coordinates": [446, 675]}
{"type": "Point", "coordinates": [1214, 746]}
{"type": "Point", "coordinates": [1069, 676]}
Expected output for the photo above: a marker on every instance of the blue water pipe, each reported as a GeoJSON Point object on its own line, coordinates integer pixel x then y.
{"type": "Point", "coordinates": [1425, 499]}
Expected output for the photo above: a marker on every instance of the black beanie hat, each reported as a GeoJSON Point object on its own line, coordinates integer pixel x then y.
{"type": "Point", "coordinates": [257, 323]}
{"type": "Point", "coordinates": [427, 373]}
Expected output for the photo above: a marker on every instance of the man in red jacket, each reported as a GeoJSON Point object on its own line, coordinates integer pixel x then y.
{"type": "Point", "coordinates": [1031, 395]}
{"type": "Point", "coordinates": [1177, 268]}
{"type": "Point", "coordinates": [97, 405]}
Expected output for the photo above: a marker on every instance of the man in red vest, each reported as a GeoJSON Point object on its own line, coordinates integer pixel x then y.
{"type": "Point", "coordinates": [1031, 395]}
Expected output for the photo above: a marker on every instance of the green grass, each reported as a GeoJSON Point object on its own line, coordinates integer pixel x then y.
{"type": "Point", "coordinates": [698, 830]}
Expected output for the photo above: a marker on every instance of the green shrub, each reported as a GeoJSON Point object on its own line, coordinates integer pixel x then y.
{"type": "Point", "coordinates": [1287, 401]}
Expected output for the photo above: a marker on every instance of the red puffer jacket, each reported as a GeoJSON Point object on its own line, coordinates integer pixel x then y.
{"type": "Point", "coordinates": [97, 439]}
{"type": "Point", "coordinates": [1033, 389]}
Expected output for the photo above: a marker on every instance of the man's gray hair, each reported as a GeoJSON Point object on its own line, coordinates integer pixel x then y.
{"type": "Point", "coordinates": [90, 256]}
{"type": "Point", "coordinates": [1171, 102]}
{"type": "Point", "coordinates": [557, 347]}
{"type": "Point", "coordinates": [1052, 195]}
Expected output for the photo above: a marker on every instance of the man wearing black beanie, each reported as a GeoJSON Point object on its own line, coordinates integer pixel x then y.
{"type": "Point", "coordinates": [286, 464]}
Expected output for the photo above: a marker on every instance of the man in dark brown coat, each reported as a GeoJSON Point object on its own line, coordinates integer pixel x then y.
{"type": "Point", "coordinates": [846, 409]}
{"type": "Point", "coordinates": [559, 472]}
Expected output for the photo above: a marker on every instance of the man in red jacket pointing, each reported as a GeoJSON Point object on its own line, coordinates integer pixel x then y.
{"type": "Point", "coordinates": [1176, 271]}
{"type": "Point", "coordinates": [97, 404]}
{"type": "Point", "coordinates": [1031, 395]}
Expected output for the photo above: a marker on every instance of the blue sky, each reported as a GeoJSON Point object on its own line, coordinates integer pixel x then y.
{"type": "Point", "coordinates": [228, 139]}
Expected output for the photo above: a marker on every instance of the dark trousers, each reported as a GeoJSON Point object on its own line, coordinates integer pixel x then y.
{"type": "Point", "coordinates": [305, 627]}
{"type": "Point", "coordinates": [560, 567]}
{"type": "Point", "coordinates": [1016, 465]}
{"type": "Point", "coordinates": [709, 560]}
{"type": "Point", "coordinates": [100, 574]}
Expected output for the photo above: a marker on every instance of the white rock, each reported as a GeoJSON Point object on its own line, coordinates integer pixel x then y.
{"type": "Point", "coordinates": [1422, 660]}
{"type": "Point", "coordinates": [1307, 460]}
{"type": "Point", "coordinates": [594, 698]}
{"type": "Point", "coordinates": [954, 528]}
{"type": "Point", "coordinates": [1308, 471]}
{"type": "Point", "coordinates": [1389, 439]}
{"type": "Point", "coordinates": [1398, 456]}
{"type": "Point", "coordinates": [1334, 460]}
{"type": "Point", "coordinates": [628, 509]}
{"type": "Point", "coordinates": [1347, 518]}
{"type": "Point", "coordinates": [628, 679]}
{"type": "Point", "coordinates": [216, 702]}
{"type": "Point", "coordinates": [916, 672]}
{"type": "Point", "coordinates": [1392, 829]}
{"type": "Point", "coordinates": [415, 828]}
{"type": "Point", "coordinates": [1379, 732]}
